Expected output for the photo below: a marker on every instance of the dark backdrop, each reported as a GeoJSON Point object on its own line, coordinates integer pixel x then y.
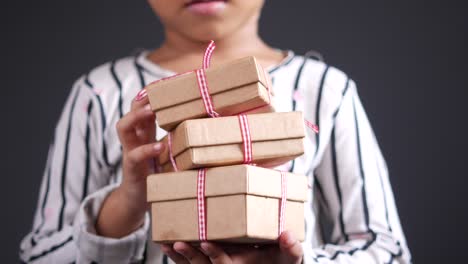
{"type": "Point", "coordinates": [408, 58]}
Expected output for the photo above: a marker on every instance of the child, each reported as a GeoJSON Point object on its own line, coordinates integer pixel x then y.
{"type": "Point", "coordinates": [92, 206]}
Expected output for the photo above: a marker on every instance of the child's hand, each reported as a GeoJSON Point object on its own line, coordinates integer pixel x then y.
{"type": "Point", "coordinates": [124, 209]}
{"type": "Point", "coordinates": [137, 134]}
{"type": "Point", "coordinates": [289, 251]}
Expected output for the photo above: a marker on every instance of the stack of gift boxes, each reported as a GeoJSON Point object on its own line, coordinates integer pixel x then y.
{"type": "Point", "coordinates": [223, 140]}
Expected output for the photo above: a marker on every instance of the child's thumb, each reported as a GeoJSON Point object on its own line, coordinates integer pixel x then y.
{"type": "Point", "coordinates": [290, 247]}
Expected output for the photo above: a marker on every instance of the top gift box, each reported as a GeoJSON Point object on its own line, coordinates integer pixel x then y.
{"type": "Point", "coordinates": [240, 86]}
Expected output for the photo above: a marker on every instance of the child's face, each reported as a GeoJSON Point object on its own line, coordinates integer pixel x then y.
{"type": "Point", "coordinates": [202, 20]}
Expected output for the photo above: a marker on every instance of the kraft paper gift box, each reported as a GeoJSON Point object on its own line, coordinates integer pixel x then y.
{"type": "Point", "coordinates": [239, 86]}
{"type": "Point", "coordinates": [242, 204]}
{"type": "Point", "coordinates": [210, 142]}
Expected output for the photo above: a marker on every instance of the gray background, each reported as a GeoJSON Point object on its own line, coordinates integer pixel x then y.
{"type": "Point", "coordinates": [407, 57]}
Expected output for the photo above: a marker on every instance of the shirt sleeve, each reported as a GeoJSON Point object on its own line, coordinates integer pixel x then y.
{"type": "Point", "coordinates": [92, 247]}
{"type": "Point", "coordinates": [75, 183]}
{"type": "Point", "coordinates": [356, 194]}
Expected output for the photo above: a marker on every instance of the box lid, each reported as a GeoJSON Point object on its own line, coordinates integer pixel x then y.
{"type": "Point", "coordinates": [228, 180]}
{"type": "Point", "coordinates": [226, 130]}
{"type": "Point", "coordinates": [184, 88]}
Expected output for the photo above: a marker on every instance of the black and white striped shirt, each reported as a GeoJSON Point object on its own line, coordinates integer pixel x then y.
{"type": "Point", "coordinates": [351, 215]}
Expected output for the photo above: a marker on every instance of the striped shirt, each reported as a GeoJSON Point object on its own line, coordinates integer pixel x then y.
{"type": "Point", "coordinates": [351, 215]}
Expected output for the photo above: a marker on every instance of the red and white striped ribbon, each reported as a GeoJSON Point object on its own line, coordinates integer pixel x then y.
{"type": "Point", "coordinates": [246, 138]}
{"type": "Point", "coordinates": [201, 204]}
{"type": "Point", "coordinates": [171, 154]}
{"type": "Point", "coordinates": [314, 127]}
{"type": "Point", "coordinates": [202, 84]}
{"type": "Point", "coordinates": [205, 94]}
{"type": "Point", "coordinates": [207, 56]}
{"type": "Point", "coordinates": [283, 199]}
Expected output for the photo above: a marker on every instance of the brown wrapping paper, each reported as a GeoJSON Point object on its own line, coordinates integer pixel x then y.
{"type": "Point", "coordinates": [234, 87]}
{"type": "Point", "coordinates": [242, 204]}
{"type": "Point", "coordinates": [276, 139]}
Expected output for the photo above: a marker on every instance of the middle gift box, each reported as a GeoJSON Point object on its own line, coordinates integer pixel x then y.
{"type": "Point", "coordinates": [267, 140]}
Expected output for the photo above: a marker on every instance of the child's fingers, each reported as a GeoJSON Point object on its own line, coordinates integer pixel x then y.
{"type": "Point", "coordinates": [290, 247]}
{"type": "Point", "coordinates": [127, 124]}
{"type": "Point", "coordinates": [172, 254]}
{"type": "Point", "coordinates": [146, 131]}
{"type": "Point", "coordinates": [216, 254]}
{"type": "Point", "coordinates": [140, 100]}
{"type": "Point", "coordinates": [142, 154]}
{"type": "Point", "coordinates": [193, 255]}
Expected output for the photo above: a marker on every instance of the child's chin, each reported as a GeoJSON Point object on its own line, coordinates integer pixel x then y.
{"type": "Point", "coordinates": [208, 31]}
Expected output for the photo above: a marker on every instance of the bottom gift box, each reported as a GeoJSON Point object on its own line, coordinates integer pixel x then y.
{"type": "Point", "coordinates": [236, 204]}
